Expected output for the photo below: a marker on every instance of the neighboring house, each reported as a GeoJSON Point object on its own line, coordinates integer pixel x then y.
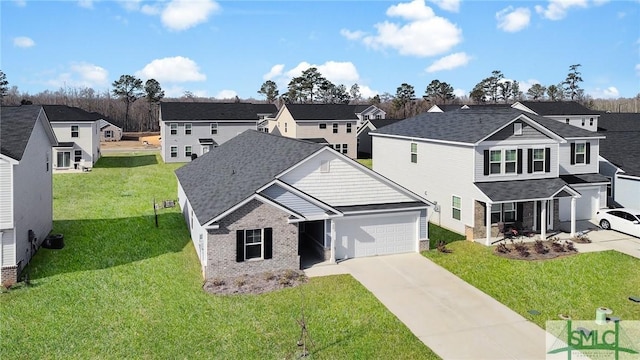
{"type": "Point", "coordinates": [568, 112]}
{"type": "Point", "coordinates": [78, 134]}
{"type": "Point", "coordinates": [26, 188]}
{"type": "Point", "coordinates": [109, 132]}
{"type": "Point", "coordinates": [489, 166]}
{"type": "Point", "coordinates": [620, 157]}
{"type": "Point", "coordinates": [368, 112]}
{"type": "Point", "coordinates": [363, 137]}
{"type": "Point", "coordinates": [337, 123]}
{"type": "Point", "coordinates": [262, 202]}
{"type": "Point", "coordinates": [188, 128]}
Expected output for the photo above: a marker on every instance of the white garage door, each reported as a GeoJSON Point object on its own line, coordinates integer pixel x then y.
{"type": "Point", "coordinates": [376, 235]}
{"type": "Point", "coordinates": [586, 206]}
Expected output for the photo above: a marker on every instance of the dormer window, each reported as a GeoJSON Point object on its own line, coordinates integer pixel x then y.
{"type": "Point", "coordinates": [517, 129]}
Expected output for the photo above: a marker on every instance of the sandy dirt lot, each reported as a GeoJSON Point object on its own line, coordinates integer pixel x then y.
{"type": "Point", "coordinates": [126, 145]}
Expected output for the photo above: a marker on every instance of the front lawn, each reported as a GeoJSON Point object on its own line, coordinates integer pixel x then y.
{"type": "Point", "coordinates": [574, 285]}
{"type": "Point", "coordinates": [122, 288]}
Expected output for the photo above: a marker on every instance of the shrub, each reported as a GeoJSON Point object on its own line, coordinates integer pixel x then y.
{"type": "Point", "coordinates": [290, 274]}
{"type": "Point", "coordinates": [581, 238]}
{"type": "Point", "coordinates": [502, 248]}
{"type": "Point", "coordinates": [241, 281]}
{"type": "Point", "coordinates": [268, 276]}
{"type": "Point", "coordinates": [522, 248]}
{"type": "Point", "coordinates": [442, 247]}
{"type": "Point", "coordinates": [556, 245]}
{"type": "Point", "coordinates": [218, 282]}
{"type": "Point", "coordinates": [540, 247]}
{"type": "Point", "coordinates": [569, 245]}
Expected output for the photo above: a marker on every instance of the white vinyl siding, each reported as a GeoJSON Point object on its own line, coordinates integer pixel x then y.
{"type": "Point", "coordinates": [627, 192]}
{"type": "Point", "coordinates": [565, 166]}
{"type": "Point", "coordinates": [345, 184]}
{"type": "Point", "coordinates": [6, 197]}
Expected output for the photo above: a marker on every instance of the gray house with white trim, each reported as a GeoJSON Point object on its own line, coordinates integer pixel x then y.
{"type": "Point", "coordinates": [26, 186]}
{"type": "Point", "coordinates": [262, 202]}
{"type": "Point", "coordinates": [490, 166]}
{"type": "Point", "coordinates": [189, 129]}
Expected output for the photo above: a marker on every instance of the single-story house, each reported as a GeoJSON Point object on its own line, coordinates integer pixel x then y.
{"type": "Point", "coordinates": [262, 202]}
{"type": "Point", "coordinates": [109, 132]}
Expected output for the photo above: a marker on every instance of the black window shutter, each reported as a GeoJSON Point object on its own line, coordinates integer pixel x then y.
{"type": "Point", "coordinates": [588, 161]}
{"type": "Point", "coordinates": [573, 153]}
{"type": "Point", "coordinates": [529, 161]}
{"type": "Point", "coordinates": [547, 159]}
{"type": "Point", "coordinates": [268, 243]}
{"type": "Point", "coordinates": [519, 161]}
{"type": "Point", "coordinates": [239, 245]}
{"type": "Point", "coordinates": [486, 162]}
{"type": "Point", "coordinates": [519, 210]}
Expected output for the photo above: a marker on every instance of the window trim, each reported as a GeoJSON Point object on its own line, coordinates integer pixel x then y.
{"type": "Point", "coordinates": [285, 126]}
{"type": "Point", "coordinates": [501, 212]}
{"type": "Point", "coordinates": [517, 129]}
{"type": "Point", "coordinates": [188, 153]}
{"type": "Point", "coordinates": [75, 133]}
{"type": "Point", "coordinates": [265, 243]}
{"type": "Point", "coordinates": [173, 149]}
{"type": "Point", "coordinates": [507, 162]}
{"type": "Point", "coordinates": [322, 126]}
{"type": "Point", "coordinates": [173, 128]}
{"type": "Point", "coordinates": [334, 128]}
{"type": "Point", "coordinates": [188, 127]}
{"type": "Point", "coordinates": [494, 162]}
{"type": "Point", "coordinates": [213, 128]}
{"type": "Point", "coordinates": [454, 208]}
{"type": "Point", "coordinates": [414, 152]}
{"type": "Point", "coordinates": [538, 160]}
{"type": "Point", "coordinates": [349, 127]}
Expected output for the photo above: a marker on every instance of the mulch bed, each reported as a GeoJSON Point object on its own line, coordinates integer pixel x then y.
{"type": "Point", "coordinates": [255, 283]}
{"type": "Point", "coordinates": [537, 250]}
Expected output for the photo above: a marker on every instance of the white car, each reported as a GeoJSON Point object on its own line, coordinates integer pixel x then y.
{"type": "Point", "coordinates": [623, 220]}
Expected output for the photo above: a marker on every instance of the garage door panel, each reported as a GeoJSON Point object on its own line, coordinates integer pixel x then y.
{"type": "Point", "coordinates": [376, 235]}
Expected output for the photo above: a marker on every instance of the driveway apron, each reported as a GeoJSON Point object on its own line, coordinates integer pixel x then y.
{"type": "Point", "coordinates": [451, 317]}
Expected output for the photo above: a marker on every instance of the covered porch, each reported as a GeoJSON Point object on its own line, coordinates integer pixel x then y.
{"type": "Point", "coordinates": [529, 208]}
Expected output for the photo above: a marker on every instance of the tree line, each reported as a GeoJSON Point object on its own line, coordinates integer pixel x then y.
{"type": "Point", "coordinates": [120, 104]}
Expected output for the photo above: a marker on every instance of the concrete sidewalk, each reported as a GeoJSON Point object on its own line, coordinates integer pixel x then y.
{"type": "Point", "coordinates": [451, 317]}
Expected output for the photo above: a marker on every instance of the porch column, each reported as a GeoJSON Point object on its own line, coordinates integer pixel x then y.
{"type": "Point", "coordinates": [573, 217]}
{"type": "Point", "coordinates": [543, 220]}
{"type": "Point", "coordinates": [487, 215]}
{"type": "Point", "coordinates": [332, 234]}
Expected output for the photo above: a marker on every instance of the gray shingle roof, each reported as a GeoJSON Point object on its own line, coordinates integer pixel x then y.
{"type": "Point", "coordinates": [176, 111]}
{"type": "Point", "coordinates": [68, 113]}
{"type": "Point", "coordinates": [322, 111]}
{"type": "Point", "coordinates": [584, 178]}
{"type": "Point", "coordinates": [547, 108]}
{"type": "Point", "coordinates": [16, 126]}
{"type": "Point", "coordinates": [230, 173]}
{"type": "Point", "coordinates": [622, 145]}
{"type": "Point", "coordinates": [521, 189]}
{"type": "Point", "coordinates": [378, 123]}
{"type": "Point", "coordinates": [472, 125]}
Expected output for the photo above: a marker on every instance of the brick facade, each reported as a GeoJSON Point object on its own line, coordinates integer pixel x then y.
{"type": "Point", "coordinates": [9, 275]}
{"type": "Point", "coordinates": [221, 246]}
{"type": "Point", "coordinates": [527, 216]}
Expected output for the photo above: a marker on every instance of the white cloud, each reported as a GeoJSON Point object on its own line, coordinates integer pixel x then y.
{"type": "Point", "coordinates": [87, 4]}
{"type": "Point", "coordinates": [449, 62]}
{"type": "Point", "coordinates": [20, 3]}
{"type": "Point", "coordinates": [557, 9]}
{"type": "Point", "coordinates": [421, 34]}
{"type": "Point", "coordinates": [276, 70]}
{"type": "Point", "coordinates": [527, 84]}
{"type": "Point", "coordinates": [460, 92]}
{"type": "Point", "coordinates": [226, 94]}
{"type": "Point", "coordinates": [175, 69]}
{"type": "Point", "coordinates": [82, 74]}
{"type": "Point", "coordinates": [23, 42]}
{"type": "Point", "coordinates": [183, 14]}
{"type": "Point", "coordinates": [609, 93]}
{"type": "Point", "coordinates": [448, 5]}
{"type": "Point", "coordinates": [513, 20]}
{"type": "Point", "coordinates": [367, 92]}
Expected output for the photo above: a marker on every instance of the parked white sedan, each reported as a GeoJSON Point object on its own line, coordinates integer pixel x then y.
{"type": "Point", "coordinates": [623, 220]}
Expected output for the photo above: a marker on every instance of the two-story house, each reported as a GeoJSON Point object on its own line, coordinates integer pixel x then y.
{"type": "Point", "coordinates": [336, 123]}
{"type": "Point", "coordinates": [569, 112]}
{"type": "Point", "coordinates": [490, 166]}
{"type": "Point", "coordinates": [78, 134]}
{"type": "Point", "coordinates": [368, 112]}
{"type": "Point", "coordinates": [26, 187]}
{"type": "Point", "coordinates": [189, 129]}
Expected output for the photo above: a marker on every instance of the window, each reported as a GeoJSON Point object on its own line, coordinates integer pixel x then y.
{"type": "Point", "coordinates": [77, 156]}
{"type": "Point", "coordinates": [517, 129]}
{"type": "Point", "coordinates": [285, 127]}
{"type": "Point", "coordinates": [414, 153]}
{"type": "Point", "coordinates": [322, 126]}
{"type": "Point", "coordinates": [580, 153]}
{"type": "Point", "coordinates": [455, 207]}
{"type": "Point", "coordinates": [187, 151]}
{"type": "Point", "coordinates": [337, 147]}
{"type": "Point", "coordinates": [366, 117]}
{"type": "Point", "coordinates": [567, 120]}
{"type": "Point", "coordinates": [173, 128]}
{"type": "Point", "coordinates": [64, 159]}
{"type": "Point", "coordinates": [187, 129]}
{"type": "Point", "coordinates": [538, 160]}
{"type": "Point", "coordinates": [503, 213]}
{"type": "Point", "coordinates": [378, 116]}
{"type": "Point", "coordinates": [510, 161]}
{"type": "Point", "coordinates": [174, 151]}
{"type": "Point", "coordinates": [349, 127]}
{"type": "Point", "coordinates": [108, 134]}
{"type": "Point", "coordinates": [335, 128]}
{"type": "Point", "coordinates": [74, 131]}
{"type": "Point", "coordinates": [495, 161]}
{"type": "Point", "coordinates": [344, 148]}
{"type": "Point", "coordinates": [214, 128]}
{"type": "Point", "coordinates": [590, 121]}
{"type": "Point", "coordinates": [253, 244]}
{"type": "Point", "coordinates": [46, 158]}
{"type": "Point", "coordinates": [583, 119]}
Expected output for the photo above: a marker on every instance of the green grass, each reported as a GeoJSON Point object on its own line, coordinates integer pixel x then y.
{"type": "Point", "coordinates": [437, 234]}
{"type": "Point", "coordinates": [366, 162]}
{"type": "Point", "coordinates": [122, 288]}
{"type": "Point", "coordinates": [574, 285]}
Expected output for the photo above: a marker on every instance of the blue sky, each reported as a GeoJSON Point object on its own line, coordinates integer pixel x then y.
{"type": "Point", "coordinates": [228, 48]}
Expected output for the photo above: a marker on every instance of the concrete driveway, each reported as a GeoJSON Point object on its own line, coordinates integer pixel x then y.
{"type": "Point", "coordinates": [608, 240]}
{"type": "Point", "coordinates": [451, 317]}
